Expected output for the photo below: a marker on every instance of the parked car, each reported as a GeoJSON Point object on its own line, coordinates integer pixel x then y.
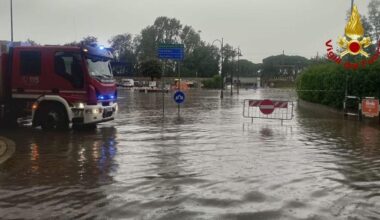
{"type": "Point", "coordinates": [127, 83]}
{"type": "Point", "coordinates": [138, 84]}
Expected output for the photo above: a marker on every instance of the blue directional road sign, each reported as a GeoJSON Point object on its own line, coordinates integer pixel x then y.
{"type": "Point", "coordinates": [179, 97]}
{"type": "Point", "coordinates": [171, 52]}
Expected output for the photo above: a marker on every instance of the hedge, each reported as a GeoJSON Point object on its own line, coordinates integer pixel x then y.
{"type": "Point", "coordinates": [213, 83]}
{"type": "Point", "coordinates": [326, 83]}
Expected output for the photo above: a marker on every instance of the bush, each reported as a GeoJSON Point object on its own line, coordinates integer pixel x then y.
{"type": "Point", "coordinates": [213, 83]}
{"type": "Point", "coordinates": [326, 83]}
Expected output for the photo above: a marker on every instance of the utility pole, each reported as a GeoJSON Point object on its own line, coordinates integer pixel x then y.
{"type": "Point", "coordinates": [221, 67]}
{"type": "Point", "coordinates": [221, 70]}
{"type": "Point", "coordinates": [232, 82]}
{"type": "Point", "coordinates": [11, 1]}
{"type": "Point", "coordinates": [238, 71]}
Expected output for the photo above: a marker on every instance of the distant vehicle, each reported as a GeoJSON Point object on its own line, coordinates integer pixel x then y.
{"type": "Point", "coordinates": [57, 86]}
{"type": "Point", "coordinates": [138, 84]}
{"type": "Point", "coordinates": [127, 83]}
{"type": "Point", "coordinates": [152, 84]}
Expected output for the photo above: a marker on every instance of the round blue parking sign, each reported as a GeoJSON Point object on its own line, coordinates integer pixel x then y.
{"type": "Point", "coordinates": [179, 97]}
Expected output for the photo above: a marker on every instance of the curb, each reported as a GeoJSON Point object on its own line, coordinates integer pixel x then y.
{"type": "Point", "coordinates": [7, 149]}
{"type": "Point", "coordinates": [311, 105]}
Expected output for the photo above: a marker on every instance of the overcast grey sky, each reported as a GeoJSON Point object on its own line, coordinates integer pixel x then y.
{"type": "Point", "coordinates": [260, 27]}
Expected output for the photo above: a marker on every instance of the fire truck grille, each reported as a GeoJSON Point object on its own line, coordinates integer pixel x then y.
{"type": "Point", "coordinates": [107, 114]}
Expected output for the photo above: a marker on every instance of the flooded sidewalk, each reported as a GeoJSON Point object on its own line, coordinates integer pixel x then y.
{"type": "Point", "coordinates": [209, 164]}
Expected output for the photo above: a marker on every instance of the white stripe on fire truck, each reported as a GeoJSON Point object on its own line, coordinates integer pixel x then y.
{"type": "Point", "coordinates": [25, 96]}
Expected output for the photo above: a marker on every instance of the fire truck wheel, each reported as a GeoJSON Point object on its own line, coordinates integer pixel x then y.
{"type": "Point", "coordinates": [54, 118]}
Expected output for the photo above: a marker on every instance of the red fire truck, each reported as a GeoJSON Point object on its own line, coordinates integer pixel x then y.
{"type": "Point", "coordinates": [57, 86]}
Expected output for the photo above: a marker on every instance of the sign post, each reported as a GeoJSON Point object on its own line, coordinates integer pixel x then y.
{"type": "Point", "coordinates": [370, 107]}
{"type": "Point", "coordinates": [162, 87]}
{"type": "Point", "coordinates": [179, 86]}
{"type": "Point", "coordinates": [174, 52]}
{"type": "Point", "coordinates": [171, 52]}
{"type": "Point", "coordinates": [179, 98]}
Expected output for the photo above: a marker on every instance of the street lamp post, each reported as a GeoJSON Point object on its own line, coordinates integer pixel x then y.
{"type": "Point", "coordinates": [221, 66]}
{"type": "Point", "coordinates": [238, 70]}
{"type": "Point", "coordinates": [11, 1]}
{"type": "Point", "coordinates": [232, 82]}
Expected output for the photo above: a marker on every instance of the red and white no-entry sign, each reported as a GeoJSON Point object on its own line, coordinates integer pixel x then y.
{"type": "Point", "coordinates": [268, 109]}
{"type": "Point", "coordinates": [266, 106]}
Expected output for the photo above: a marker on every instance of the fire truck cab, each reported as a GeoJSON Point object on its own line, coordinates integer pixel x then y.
{"type": "Point", "coordinates": [57, 85]}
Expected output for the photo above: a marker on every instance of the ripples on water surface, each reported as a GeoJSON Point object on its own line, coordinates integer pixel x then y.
{"type": "Point", "coordinates": [210, 164]}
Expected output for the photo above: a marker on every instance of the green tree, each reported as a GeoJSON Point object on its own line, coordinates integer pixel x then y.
{"type": "Point", "coordinates": [213, 83]}
{"type": "Point", "coordinates": [167, 30]}
{"type": "Point", "coordinates": [374, 18]}
{"type": "Point", "coordinates": [124, 49]}
{"type": "Point", "coordinates": [249, 69]}
{"type": "Point", "coordinates": [190, 38]}
{"type": "Point", "coordinates": [89, 40]}
{"type": "Point", "coordinates": [283, 65]}
{"type": "Point", "coordinates": [203, 61]}
{"type": "Point", "coordinates": [228, 64]}
{"type": "Point", "coordinates": [151, 68]}
{"type": "Point", "coordinates": [147, 44]}
{"type": "Point", "coordinates": [31, 42]}
{"type": "Point", "coordinates": [164, 30]}
{"type": "Point", "coordinates": [122, 46]}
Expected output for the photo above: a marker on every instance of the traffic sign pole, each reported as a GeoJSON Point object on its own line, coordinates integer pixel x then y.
{"type": "Point", "coordinates": [174, 52]}
{"type": "Point", "coordinates": [162, 87]}
{"type": "Point", "coordinates": [179, 85]}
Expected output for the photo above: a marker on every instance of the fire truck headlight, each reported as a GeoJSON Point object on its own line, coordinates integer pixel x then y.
{"type": "Point", "coordinates": [34, 106]}
{"type": "Point", "coordinates": [95, 111]}
{"type": "Point", "coordinates": [79, 105]}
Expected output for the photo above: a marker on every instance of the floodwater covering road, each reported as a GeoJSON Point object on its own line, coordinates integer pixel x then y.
{"type": "Point", "coordinates": [209, 164]}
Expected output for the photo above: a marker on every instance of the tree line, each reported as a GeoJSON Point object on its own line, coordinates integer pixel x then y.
{"type": "Point", "coordinates": [140, 52]}
{"type": "Point", "coordinates": [202, 59]}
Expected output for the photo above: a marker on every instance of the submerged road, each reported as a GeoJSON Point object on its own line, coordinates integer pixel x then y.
{"type": "Point", "coordinates": [209, 164]}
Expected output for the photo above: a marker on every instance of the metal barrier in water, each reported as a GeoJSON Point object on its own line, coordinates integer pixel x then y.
{"type": "Point", "coordinates": [268, 109]}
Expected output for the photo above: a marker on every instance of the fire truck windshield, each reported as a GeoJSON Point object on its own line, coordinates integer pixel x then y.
{"type": "Point", "coordinates": [100, 69]}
